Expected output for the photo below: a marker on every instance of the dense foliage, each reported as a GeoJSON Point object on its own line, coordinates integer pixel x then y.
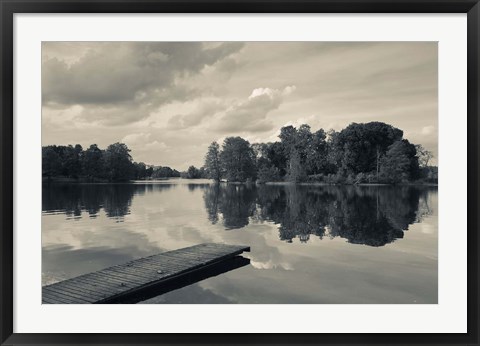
{"type": "Point", "coordinates": [374, 152]}
{"type": "Point", "coordinates": [94, 164]}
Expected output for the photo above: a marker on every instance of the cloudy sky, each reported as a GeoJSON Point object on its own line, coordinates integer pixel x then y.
{"type": "Point", "coordinates": [169, 101]}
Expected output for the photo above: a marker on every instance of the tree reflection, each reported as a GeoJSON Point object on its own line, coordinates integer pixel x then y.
{"type": "Point", "coordinates": [211, 197]}
{"type": "Point", "coordinates": [73, 199]}
{"type": "Point", "coordinates": [117, 200]}
{"type": "Point", "coordinates": [368, 215]}
{"type": "Point", "coordinates": [300, 210]}
{"type": "Point", "coordinates": [236, 204]}
{"type": "Point", "coordinates": [373, 216]}
{"type": "Point", "coordinates": [193, 187]}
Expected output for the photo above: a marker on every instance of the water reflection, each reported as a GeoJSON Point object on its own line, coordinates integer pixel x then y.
{"type": "Point", "coordinates": [373, 216]}
{"type": "Point", "coordinates": [88, 227]}
{"type": "Point", "coordinates": [236, 203]}
{"type": "Point", "coordinates": [114, 199]}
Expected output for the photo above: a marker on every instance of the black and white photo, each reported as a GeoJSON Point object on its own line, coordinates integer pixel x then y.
{"type": "Point", "coordinates": [239, 172]}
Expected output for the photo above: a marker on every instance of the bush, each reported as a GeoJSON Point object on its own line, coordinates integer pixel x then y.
{"type": "Point", "coordinates": [330, 179]}
{"type": "Point", "coordinates": [334, 179]}
{"type": "Point", "coordinates": [266, 174]}
{"type": "Point", "coordinates": [316, 178]}
{"type": "Point", "coordinates": [361, 178]}
{"type": "Point", "coordinates": [429, 175]}
{"type": "Point", "coordinates": [340, 178]}
{"type": "Point", "coordinates": [371, 178]}
{"type": "Point", "coordinates": [350, 179]}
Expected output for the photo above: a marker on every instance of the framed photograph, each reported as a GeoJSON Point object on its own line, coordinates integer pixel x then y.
{"type": "Point", "coordinates": [254, 172]}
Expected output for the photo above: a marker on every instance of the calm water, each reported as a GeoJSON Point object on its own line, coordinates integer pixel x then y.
{"type": "Point", "coordinates": [310, 244]}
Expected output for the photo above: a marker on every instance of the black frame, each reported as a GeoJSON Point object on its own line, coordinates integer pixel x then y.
{"type": "Point", "coordinates": [9, 7]}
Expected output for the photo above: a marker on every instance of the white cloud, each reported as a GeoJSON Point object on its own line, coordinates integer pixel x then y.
{"type": "Point", "coordinates": [136, 138]}
{"type": "Point", "coordinates": [123, 82]}
{"type": "Point", "coordinates": [155, 145]}
{"type": "Point", "coordinates": [203, 110]}
{"type": "Point", "coordinates": [427, 130]}
{"type": "Point", "coordinates": [61, 115]}
{"type": "Point", "coordinates": [250, 115]}
{"type": "Point", "coordinates": [143, 146]}
{"type": "Point", "coordinates": [271, 265]}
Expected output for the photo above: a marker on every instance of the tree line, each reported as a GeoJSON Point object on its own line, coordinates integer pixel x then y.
{"type": "Point", "coordinates": [372, 152]}
{"type": "Point", "coordinates": [94, 164]}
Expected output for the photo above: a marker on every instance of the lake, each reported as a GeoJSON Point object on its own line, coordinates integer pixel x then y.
{"type": "Point", "coordinates": [309, 244]}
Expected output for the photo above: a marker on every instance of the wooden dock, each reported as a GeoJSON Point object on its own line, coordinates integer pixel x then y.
{"type": "Point", "coordinates": [125, 280]}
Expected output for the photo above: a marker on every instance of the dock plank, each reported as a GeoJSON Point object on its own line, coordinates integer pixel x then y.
{"type": "Point", "coordinates": [106, 288]}
{"type": "Point", "coordinates": [79, 292]}
{"type": "Point", "coordinates": [126, 279]}
{"type": "Point", "coordinates": [82, 291]}
{"type": "Point", "coordinates": [73, 296]}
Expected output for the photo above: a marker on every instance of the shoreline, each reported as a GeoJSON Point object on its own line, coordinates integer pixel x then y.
{"type": "Point", "coordinates": [64, 180]}
{"type": "Point", "coordinates": [363, 184]}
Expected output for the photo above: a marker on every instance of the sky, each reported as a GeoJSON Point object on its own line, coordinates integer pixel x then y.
{"type": "Point", "coordinates": [169, 100]}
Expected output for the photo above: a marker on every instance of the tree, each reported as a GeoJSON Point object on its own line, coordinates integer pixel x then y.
{"type": "Point", "coordinates": [149, 171]}
{"type": "Point", "coordinates": [212, 162]}
{"type": "Point", "coordinates": [317, 154]}
{"type": "Point", "coordinates": [266, 172]}
{"type": "Point", "coordinates": [362, 145]}
{"type": "Point", "coordinates": [297, 148]}
{"type": "Point", "coordinates": [193, 173]}
{"type": "Point", "coordinates": [275, 154]}
{"type": "Point", "coordinates": [51, 163]}
{"type": "Point", "coordinates": [114, 163]}
{"type": "Point", "coordinates": [303, 140]}
{"type": "Point", "coordinates": [287, 136]}
{"type": "Point", "coordinates": [271, 161]}
{"type": "Point", "coordinates": [118, 162]}
{"type": "Point", "coordinates": [163, 172]}
{"type": "Point", "coordinates": [295, 171]}
{"type": "Point", "coordinates": [399, 163]}
{"type": "Point", "coordinates": [238, 160]}
{"type": "Point", "coordinates": [93, 164]}
{"type": "Point", "coordinates": [334, 152]}
{"type": "Point", "coordinates": [424, 155]}
{"type": "Point", "coordinates": [71, 161]}
{"type": "Point", "coordinates": [140, 170]}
